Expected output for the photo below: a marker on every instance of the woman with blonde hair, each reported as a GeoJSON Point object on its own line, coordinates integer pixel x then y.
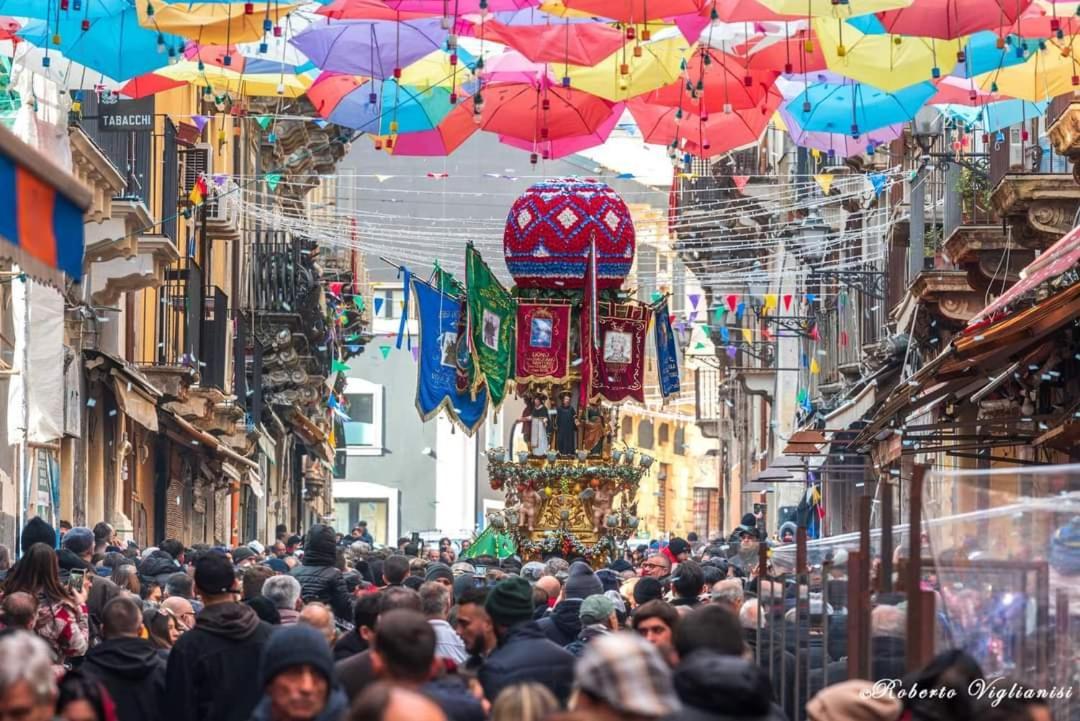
{"type": "Point", "coordinates": [524, 702]}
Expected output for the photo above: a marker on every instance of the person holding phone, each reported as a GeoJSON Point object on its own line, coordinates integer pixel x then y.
{"type": "Point", "coordinates": [62, 617]}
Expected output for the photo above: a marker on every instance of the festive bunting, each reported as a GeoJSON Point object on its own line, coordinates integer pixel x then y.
{"type": "Point", "coordinates": [739, 310]}
{"type": "Point", "coordinates": [438, 176]}
{"type": "Point", "coordinates": [339, 367]}
{"type": "Point", "coordinates": [824, 181]}
{"type": "Point", "coordinates": [805, 361]}
{"type": "Point", "coordinates": [415, 353]}
{"type": "Point", "coordinates": [378, 304]}
{"type": "Point", "coordinates": [198, 191]}
{"type": "Point", "coordinates": [358, 301]}
{"type": "Point", "coordinates": [732, 302]}
{"type": "Point", "coordinates": [843, 339]}
{"type": "Point", "coordinates": [802, 396]}
{"type": "Point", "coordinates": [264, 121]}
{"type": "Point", "coordinates": [814, 367]}
{"type": "Point", "coordinates": [787, 301]}
{"type": "Point", "coordinates": [718, 314]}
{"type": "Point", "coordinates": [543, 341]}
{"type": "Point", "coordinates": [877, 180]}
{"type": "Point", "coordinates": [385, 350]}
{"type": "Point", "coordinates": [770, 302]}
{"type": "Point", "coordinates": [199, 121]}
{"type": "Point", "coordinates": [732, 351]}
{"type": "Point", "coordinates": [667, 357]}
{"type": "Point", "coordinates": [740, 181]}
{"type": "Point", "coordinates": [724, 334]}
{"type": "Point", "coordinates": [695, 298]}
{"type": "Point", "coordinates": [693, 316]}
{"type": "Point", "coordinates": [492, 312]}
{"type": "Point", "coordinates": [765, 332]}
{"type": "Point", "coordinates": [811, 298]}
{"type": "Point", "coordinates": [747, 335]}
{"type": "Point", "coordinates": [272, 180]}
{"type": "Point", "coordinates": [815, 335]}
{"type": "Point", "coordinates": [335, 287]}
{"type": "Point", "coordinates": [655, 296]}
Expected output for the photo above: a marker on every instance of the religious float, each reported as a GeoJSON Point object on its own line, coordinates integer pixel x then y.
{"type": "Point", "coordinates": [569, 341]}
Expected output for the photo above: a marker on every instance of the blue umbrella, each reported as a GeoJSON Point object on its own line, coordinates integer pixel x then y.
{"type": "Point", "coordinates": [77, 9]}
{"type": "Point", "coordinates": [983, 55]}
{"type": "Point", "coordinates": [994, 116]}
{"type": "Point", "coordinates": [115, 45]}
{"type": "Point", "coordinates": [853, 108]}
{"type": "Point", "coordinates": [413, 109]}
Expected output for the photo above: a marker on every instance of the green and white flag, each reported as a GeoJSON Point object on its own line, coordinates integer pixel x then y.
{"type": "Point", "coordinates": [492, 315]}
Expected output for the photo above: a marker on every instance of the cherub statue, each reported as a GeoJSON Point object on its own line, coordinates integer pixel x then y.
{"type": "Point", "coordinates": [530, 508]}
{"type": "Point", "coordinates": [601, 504]}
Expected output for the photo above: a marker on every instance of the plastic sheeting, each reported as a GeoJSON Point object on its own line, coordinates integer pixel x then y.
{"type": "Point", "coordinates": [38, 314]}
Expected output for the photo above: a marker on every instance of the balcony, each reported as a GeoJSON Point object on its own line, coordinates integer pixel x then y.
{"type": "Point", "coordinates": [146, 268]}
{"type": "Point", "coordinates": [172, 314]}
{"type": "Point", "coordinates": [222, 215]}
{"type": "Point", "coordinates": [1063, 118]}
{"type": "Point", "coordinates": [92, 166]}
{"type": "Point", "coordinates": [947, 295]}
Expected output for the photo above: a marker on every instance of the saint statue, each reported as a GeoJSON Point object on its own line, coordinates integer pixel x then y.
{"type": "Point", "coordinates": [596, 429]}
{"type": "Point", "coordinates": [565, 427]}
{"type": "Point", "coordinates": [535, 426]}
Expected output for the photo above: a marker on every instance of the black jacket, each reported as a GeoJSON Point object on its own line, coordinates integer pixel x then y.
{"type": "Point", "coordinates": [158, 566]}
{"type": "Point", "coordinates": [355, 673]}
{"type": "Point", "coordinates": [454, 698]}
{"type": "Point", "coordinates": [563, 624]}
{"type": "Point", "coordinates": [133, 672]}
{"type": "Point", "coordinates": [779, 663]}
{"type": "Point", "coordinates": [68, 561]}
{"type": "Point", "coordinates": [348, 645]}
{"type": "Point", "coordinates": [320, 580]}
{"type": "Point", "coordinates": [526, 654]}
{"type": "Point", "coordinates": [213, 668]}
{"type": "Point", "coordinates": [713, 687]}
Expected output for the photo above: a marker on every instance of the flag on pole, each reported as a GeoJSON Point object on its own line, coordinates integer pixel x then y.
{"type": "Point", "coordinates": [492, 316]}
{"type": "Point", "coordinates": [198, 191]}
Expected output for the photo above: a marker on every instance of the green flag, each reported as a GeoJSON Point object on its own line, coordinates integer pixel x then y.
{"type": "Point", "coordinates": [263, 121]}
{"type": "Point", "coordinates": [339, 367]}
{"type": "Point", "coordinates": [385, 350]}
{"type": "Point", "coordinates": [447, 283]}
{"type": "Point", "coordinates": [272, 180]}
{"type": "Point", "coordinates": [491, 543]}
{"type": "Point", "coordinates": [492, 314]}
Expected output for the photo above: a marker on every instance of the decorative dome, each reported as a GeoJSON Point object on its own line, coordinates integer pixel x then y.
{"type": "Point", "coordinates": [551, 226]}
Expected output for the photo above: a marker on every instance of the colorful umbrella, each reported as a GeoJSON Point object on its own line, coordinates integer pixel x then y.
{"type": "Point", "coordinates": [9, 28]}
{"type": "Point", "coordinates": [622, 75]}
{"type": "Point", "coordinates": [536, 111]}
{"type": "Point", "coordinates": [561, 147]}
{"type": "Point", "coordinates": [714, 81]}
{"type": "Point", "coordinates": [1046, 19]}
{"type": "Point", "coordinates": [458, 7]}
{"type": "Point", "coordinates": [558, 41]}
{"type": "Point", "coordinates": [879, 60]}
{"type": "Point", "coordinates": [952, 18]}
{"type": "Point", "coordinates": [637, 11]}
{"type": "Point", "coordinates": [994, 116]}
{"type": "Point", "coordinates": [253, 80]}
{"type": "Point", "coordinates": [705, 137]}
{"type": "Point", "coordinates": [46, 10]}
{"type": "Point", "coordinates": [838, 143]}
{"type": "Point", "coordinates": [365, 10]}
{"type": "Point", "coordinates": [380, 107]}
{"type": "Point", "coordinates": [211, 23]}
{"type": "Point", "coordinates": [1043, 76]}
{"type": "Point", "coordinates": [455, 129]}
{"type": "Point", "coordinates": [854, 108]}
{"type": "Point", "coordinates": [376, 49]}
{"type": "Point", "coordinates": [986, 51]}
{"type": "Point", "coordinates": [832, 8]}
{"type": "Point", "coordinates": [798, 52]}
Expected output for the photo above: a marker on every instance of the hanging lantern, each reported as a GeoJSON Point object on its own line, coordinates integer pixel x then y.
{"type": "Point", "coordinates": [281, 88]}
{"type": "Point", "coordinates": [451, 42]}
{"type": "Point", "coordinates": [533, 158]}
{"type": "Point", "coordinates": [543, 133]}
{"type": "Point", "coordinates": [172, 56]}
{"type": "Point", "coordinates": [249, 8]}
{"type": "Point", "coordinates": [788, 68]}
{"type": "Point", "coordinates": [624, 69]}
{"type": "Point", "coordinates": [638, 51]}
{"type": "Point", "coordinates": [973, 95]}
{"type": "Point", "coordinates": [727, 109]}
{"type": "Point", "coordinates": [1024, 135]}
{"type": "Point", "coordinates": [566, 81]}
{"type": "Point", "coordinates": [545, 104]}
{"type": "Point", "coordinates": [393, 127]}
{"type": "Point", "coordinates": [748, 81]}
{"type": "Point", "coordinates": [445, 22]}
{"type": "Point", "coordinates": [277, 31]}
{"type": "Point", "coordinates": [453, 98]}
{"type": "Point", "coordinates": [389, 143]}
{"type": "Point", "coordinates": [631, 32]}
{"type": "Point", "coordinates": [85, 24]}
{"type": "Point", "coordinates": [63, 4]}
{"type": "Point", "coordinates": [1055, 24]}
{"type": "Point", "coordinates": [545, 154]}
{"type": "Point", "coordinates": [808, 45]}
{"type": "Point", "coordinates": [935, 72]}
{"type": "Point", "coordinates": [1000, 43]}
{"type": "Point", "coordinates": [646, 35]}
{"type": "Point", "coordinates": [841, 50]}
{"type": "Point", "coordinates": [806, 106]}
{"type": "Point", "coordinates": [263, 48]}
{"type": "Point", "coordinates": [378, 144]}
{"type": "Point", "coordinates": [855, 130]}
{"type": "Point", "coordinates": [961, 56]}
{"type": "Point", "coordinates": [397, 73]}
{"type": "Point", "coordinates": [160, 43]}
{"type": "Point", "coordinates": [56, 41]}
{"type": "Point", "coordinates": [267, 25]}
{"type": "Point", "coordinates": [226, 60]}
{"type": "Point", "coordinates": [149, 8]}
{"type": "Point", "coordinates": [453, 59]}
{"type": "Point", "coordinates": [46, 61]}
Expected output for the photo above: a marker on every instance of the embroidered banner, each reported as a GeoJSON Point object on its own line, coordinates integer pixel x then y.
{"type": "Point", "coordinates": [667, 357]}
{"type": "Point", "coordinates": [619, 363]}
{"type": "Point", "coordinates": [441, 343]}
{"type": "Point", "coordinates": [543, 342]}
{"type": "Point", "coordinates": [491, 326]}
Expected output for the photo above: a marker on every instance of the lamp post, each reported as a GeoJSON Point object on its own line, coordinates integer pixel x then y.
{"type": "Point", "coordinates": [926, 127]}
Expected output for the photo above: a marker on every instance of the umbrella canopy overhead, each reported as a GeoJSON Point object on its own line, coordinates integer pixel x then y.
{"type": "Point", "coordinates": [831, 9]}
{"type": "Point", "coordinates": [714, 81]}
{"type": "Point", "coordinates": [371, 48]}
{"type": "Point", "coordinates": [561, 147]}
{"type": "Point", "coordinates": [991, 117]}
{"type": "Point", "coordinates": [839, 144]}
{"type": "Point", "coordinates": [208, 22]}
{"type": "Point", "coordinates": [717, 134]}
{"type": "Point", "coordinates": [854, 108]}
{"type": "Point", "coordinates": [366, 10]}
{"type": "Point", "coordinates": [660, 64]}
{"type": "Point", "coordinates": [45, 10]}
{"type": "Point", "coordinates": [637, 11]}
{"type": "Point", "coordinates": [556, 41]}
{"type": "Point", "coordinates": [950, 19]}
{"type": "Point", "coordinates": [1043, 76]}
{"type": "Point", "coordinates": [380, 107]}
{"type": "Point", "coordinates": [535, 112]}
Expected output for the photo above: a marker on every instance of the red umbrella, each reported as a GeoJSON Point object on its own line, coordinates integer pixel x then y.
{"type": "Point", "coordinates": [366, 10]}
{"type": "Point", "coordinates": [328, 88]}
{"type": "Point", "coordinates": [705, 137]}
{"type": "Point", "coordinates": [8, 28]}
{"type": "Point", "coordinates": [1039, 22]}
{"type": "Point", "coordinates": [637, 10]}
{"type": "Point", "coordinates": [948, 19]}
{"type": "Point", "coordinates": [454, 130]}
{"type": "Point", "coordinates": [536, 111]}
{"type": "Point", "coordinates": [714, 80]}
{"type": "Point", "coordinates": [149, 84]}
{"type": "Point", "coordinates": [558, 42]}
{"type": "Point", "coordinates": [799, 52]}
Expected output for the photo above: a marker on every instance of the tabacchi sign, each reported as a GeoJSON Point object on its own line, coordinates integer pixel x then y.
{"type": "Point", "coordinates": [127, 115]}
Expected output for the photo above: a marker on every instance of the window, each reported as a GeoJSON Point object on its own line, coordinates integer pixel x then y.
{"type": "Point", "coordinates": [665, 433]}
{"type": "Point", "coordinates": [362, 434]}
{"type": "Point", "coordinates": [340, 457]}
{"type": "Point", "coordinates": [645, 434]}
{"type": "Point", "coordinates": [388, 303]}
{"type": "Point", "coordinates": [706, 512]}
{"type": "Point", "coordinates": [680, 441]}
{"type": "Point", "coordinates": [627, 427]}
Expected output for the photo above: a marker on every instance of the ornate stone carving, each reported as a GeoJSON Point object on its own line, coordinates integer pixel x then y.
{"type": "Point", "coordinates": [1038, 207]}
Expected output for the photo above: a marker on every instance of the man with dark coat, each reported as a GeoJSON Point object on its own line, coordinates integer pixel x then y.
{"type": "Point", "coordinates": [565, 427]}
{"type": "Point", "coordinates": [357, 672]}
{"type": "Point", "coordinates": [563, 624]}
{"type": "Point", "coordinates": [297, 676]}
{"type": "Point", "coordinates": [161, 564]}
{"type": "Point", "coordinates": [130, 667]}
{"type": "Point", "coordinates": [524, 653]}
{"type": "Point", "coordinates": [320, 579]}
{"type": "Point", "coordinates": [209, 675]}
{"type": "Point", "coordinates": [75, 552]}
{"type": "Point", "coordinates": [718, 687]}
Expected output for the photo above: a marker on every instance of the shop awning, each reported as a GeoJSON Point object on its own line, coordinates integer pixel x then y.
{"type": "Point", "coordinates": [314, 437]}
{"type": "Point", "coordinates": [187, 433]}
{"type": "Point", "coordinates": [852, 411]}
{"type": "Point", "coordinates": [134, 402]}
{"type": "Point", "coordinates": [41, 213]}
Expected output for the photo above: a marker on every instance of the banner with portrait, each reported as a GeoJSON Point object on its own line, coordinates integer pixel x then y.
{"type": "Point", "coordinates": [619, 363]}
{"type": "Point", "coordinates": [441, 345]}
{"type": "Point", "coordinates": [543, 341]}
{"type": "Point", "coordinates": [667, 356]}
{"type": "Point", "coordinates": [492, 314]}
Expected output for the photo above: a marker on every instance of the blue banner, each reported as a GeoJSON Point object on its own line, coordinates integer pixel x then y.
{"type": "Point", "coordinates": [440, 345]}
{"type": "Point", "coordinates": [667, 356]}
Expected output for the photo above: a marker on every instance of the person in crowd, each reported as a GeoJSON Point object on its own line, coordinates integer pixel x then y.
{"type": "Point", "coordinates": [440, 573]}
{"type": "Point", "coordinates": [656, 622]}
{"type": "Point", "coordinates": [207, 678]}
{"type": "Point", "coordinates": [953, 671]}
{"type": "Point", "coordinates": [657, 566]}
{"type": "Point", "coordinates": [677, 551]}
{"type": "Point", "coordinates": [621, 676]}
{"type": "Point", "coordinates": [27, 682]}
{"type": "Point", "coordinates": [76, 552]}
{"type": "Point", "coordinates": [563, 624]}
{"type": "Point", "coordinates": [284, 593]}
{"type": "Point", "coordinates": [551, 588]}
{"type": "Point", "coordinates": [769, 652]}
{"type": "Point", "coordinates": [62, 617]}
{"type": "Point", "coordinates": [321, 618]}
{"type": "Point", "coordinates": [18, 611]}
{"type": "Point", "coordinates": [5, 560]}
{"type": "Point", "coordinates": [365, 613]}
{"type": "Point", "coordinates": [446, 552]}
{"type": "Point", "coordinates": [277, 549]}
{"type": "Point", "coordinates": [597, 619]}
{"type": "Point", "coordinates": [719, 687]}
{"type": "Point", "coordinates": [474, 626]}
{"type": "Point", "coordinates": [524, 653]}
{"type": "Point", "coordinates": [711, 627]}
{"type": "Point", "coordinates": [395, 570]}
{"type": "Point", "coordinates": [296, 678]}
{"type": "Point", "coordinates": [126, 577]}
{"type": "Point", "coordinates": [103, 537]}
{"type": "Point", "coordinates": [357, 672]}
{"type": "Point", "coordinates": [385, 701]}
{"type": "Point", "coordinates": [163, 628]}
{"type": "Point", "coordinates": [435, 605]}
{"type": "Point", "coordinates": [244, 557]}
{"type": "Point", "coordinates": [160, 564]}
{"type": "Point", "coordinates": [524, 702]}
{"type": "Point", "coordinates": [83, 698]}
{"type": "Point", "coordinates": [130, 667]}
{"type": "Point", "coordinates": [182, 585]}
{"type": "Point", "coordinates": [729, 591]}
{"type": "Point", "coordinates": [888, 652]}
{"type": "Point", "coordinates": [254, 577]}
{"type": "Point", "coordinates": [646, 589]}
{"type": "Point", "coordinates": [360, 533]}
{"type": "Point", "coordinates": [320, 578]}
{"type": "Point", "coordinates": [856, 699]}
{"type": "Point", "coordinates": [687, 584]}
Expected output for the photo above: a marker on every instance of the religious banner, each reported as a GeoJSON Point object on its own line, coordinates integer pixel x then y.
{"type": "Point", "coordinates": [492, 313]}
{"type": "Point", "coordinates": [441, 344]}
{"type": "Point", "coordinates": [667, 357]}
{"type": "Point", "coordinates": [543, 341]}
{"type": "Point", "coordinates": [619, 363]}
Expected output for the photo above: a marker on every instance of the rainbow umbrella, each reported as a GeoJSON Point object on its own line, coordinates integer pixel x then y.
{"type": "Point", "coordinates": [212, 23]}
{"type": "Point", "coordinates": [373, 48]}
{"type": "Point", "coordinates": [854, 108]}
{"type": "Point", "coordinates": [702, 136]}
{"type": "Point", "coordinates": [622, 75]}
{"type": "Point", "coordinates": [838, 143]}
{"type": "Point", "coordinates": [561, 147]}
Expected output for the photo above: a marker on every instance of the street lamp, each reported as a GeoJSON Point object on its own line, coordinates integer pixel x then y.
{"type": "Point", "coordinates": [927, 125]}
{"type": "Point", "coordinates": [812, 237]}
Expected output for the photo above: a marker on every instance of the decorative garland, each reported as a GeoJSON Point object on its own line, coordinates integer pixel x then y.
{"type": "Point", "coordinates": [566, 544]}
{"type": "Point", "coordinates": [552, 475]}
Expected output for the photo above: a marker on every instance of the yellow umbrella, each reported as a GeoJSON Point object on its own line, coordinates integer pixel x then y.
{"type": "Point", "coordinates": [1043, 76]}
{"type": "Point", "coordinates": [210, 23]}
{"type": "Point", "coordinates": [829, 9]}
{"type": "Point", "coordinates": [221, 78]}
{"type": "Point", "coordinates": [888, 62]}
{"type": "Point", "coordinates": [622, 75]}
{"type": "Point", "coordinates": [435, 71]}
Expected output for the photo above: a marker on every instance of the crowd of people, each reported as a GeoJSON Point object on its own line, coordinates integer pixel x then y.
{"type": "Point", "coordinates": [322, 627]}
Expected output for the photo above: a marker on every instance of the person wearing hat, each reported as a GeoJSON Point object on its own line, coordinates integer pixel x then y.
{"type": "Point", "coordinates": [524, 653]}
{"type": "Point", "coordinates": [243, 557]}
{"type": "Point", "coordinates": [208, 677]}
{"type": "Point", "coordinates": [563, 624]}
{"type": "Point", "coordinates": [296, 674]}
{"type": "Point", "coordinates": [622, 676]}
{"type": "Point", "coordinates": [677, 551]}
{"type": "Point", "coordinates": [75, 552]}
{"type": "Point", "coordinates": [318, 574]}
{"type": "Point", "coordinates": [439, 573]}
{"type": "Point", "coordinates": [857, 699]}
{"type": "Point", "coordinates": [36, 530]}
{"type": "Point", "coordinates": [597, 619]}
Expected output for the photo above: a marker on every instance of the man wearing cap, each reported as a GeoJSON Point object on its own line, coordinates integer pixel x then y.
{"type": "Point", "coordinates": [563, 624]}
{"type": "Point", "coordinates": [622, 676]}
{"type": "Point", "coordinates": [597, 619]}
{"type": "Point", "coordinates": [297, 676]}
{"type": "Point", "coordinates": [209, 672]}
{"type": "Point", "coordinates": [76, 551]}
{"type": "Point", "coordinates": [677, 551]}
{"type": "Point", "coordinates": [360, 533]}
{"type": "Point", "coordinates": [524, 654]}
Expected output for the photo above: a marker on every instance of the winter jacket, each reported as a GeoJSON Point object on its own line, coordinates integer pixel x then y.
{"type": "Point", "coordinates": [526, 654]}
{"type": "Point", "coordinates": [336, 707]}
{"type": "Point", "coordinates": [588, 633]}
{"type": "Point", "coordinates": [778, 662]}
{"type": "Point", "coordinates": [714, 687]}
{"type": "Point", "coordinates": [563, 624]}
{"type": "Point", "coordinates": [158, 566]}
{"type": "Point", "coordinates": [64, 626]}
{"type": "Point", "coordinates": [349, 644]}
{"type": "Point", "coordinates": [213, 668]}
{"type": "Point", "coordinates": [320, 580]}
{"type": "Point", "coordinates": [133, 672]}
{"type": "Point", "coordinates": [68, 561]}
{"type": "Point", "coordinates": [454, 698]}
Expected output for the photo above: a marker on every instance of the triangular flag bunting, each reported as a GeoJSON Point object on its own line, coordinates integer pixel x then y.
{"type": "Point", "coordinates": [843, 339]}
{"type": "Point", "coordinates": [747, 335]}
{"type": "Point", "coordinates": [740, 181]}
{"type": "Point", "coordinates": [739, 310]}
{"type": "Point", "coordinates": [264, 121]}
{"type": "Point", "coordinates": [358, 301]}
{"type": "Point", "coordinates": [765, 332]}
{"type": "Point", "coordinates": [385, 350]}
{"type": "Point", "coordinates": [787, 301]}
{"type": "Point", "coordinates": [695, 298]}
{"type": "Point", "coordinates": [811, 298]}
{"type": "Point", "coordinates": [335, 287]}
{"type": "Point", "coordinates": [805, 361]}
{"type": "Point", "coordinates": [383, 178]}
{"type": "Point", "coordinates": [656, 296]}
{"type": "Point", "coordinates": [438, 176]}
{"type": "Point", "coordinates": [699, 346]}
{"type": "Point", "coordinates": [272, 180]}
{"type": "Point", "coordinates": [770, 302]}
{"type": "Point", "coordinates": [415, 353]}
{"type": "Point", "coordinates": [724, 334]}
{"type": "Point", "coordinates": [814, 367]}
{"type": "Point", "coordinates": [378, 305]}
{"type": "Point", "coordinates": [801, 395]}
{"type": "Point", "coordinates": [732, 302]}
{"type": "Point", "coordinates": [732, 351]}
{"type": "Point", "coordinates": [878, 181]}
{"type": "Point", "coordinates": [199, 121]}
{"type": "Point", "coordinates": [693, 316]}
{"type": "Point", "coordinates": [718, 314]}
{"type": "Point", "coordinates": [824, 181]}
{"type": "Point", "coordinates": [339, 367]}
{"type": "Point", "coordinates": [815, 335]}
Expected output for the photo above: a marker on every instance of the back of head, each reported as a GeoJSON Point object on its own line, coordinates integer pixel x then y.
{"type": "Point", "coordinates": [37, 530]}
{"type": "Point", "coordinates": [320, 546]}
{"type": "Point", "coordinates": [405, 644]}
{"type": "Point", "coordinates": [647, 589]}
{"type": "Point", "coordinates": [748, 615]}
{"type": "Point", "coordinates": [730, 591]}
{"type": "Point", "coordinates": [37, 572]}
{"type": "Point", "coordinates": [19, 610]}
{"type": "Point", "coordinates": [857, 699]}
{"type": "Point", "coordinates": [395, 569]}
{"type": "Point", "coordinates": [397, 598]}
{"type": "Point", "coordinates": [727, 686]}
{"type": "Point", "coordinates": [179, 584]}
{"type": "Point", "coordinates": [79, 540]}
{"type": "Point", "coordinates": [102, 532]}
{"type": "Point", "coordinates": [712, 628]}
{"type": "Point", "coordinates": [25, 658]}
{"type": "Point", "coordinates": [122, 618]}
{"type": "Point", "coordinates": [953, 669]}
{"type": "Point", "coordinates": [254, 578]}
{"type": "Point", "coordinates": [384, 701]}
{"type": "Point", "coordinates": [435, 600]}
{"type": "Point", "coordinates": [524, 702]}
{"type": "Point", "coordinates": [689, 579]}
{"type": "Point", "coordinates": [214, 575]}
{"type": "Point", "coordinates": [283, 591]}
{"type": "Point", "coordinates": [888, 621]}
{"type": "Point", "coordinates": [172, 546]}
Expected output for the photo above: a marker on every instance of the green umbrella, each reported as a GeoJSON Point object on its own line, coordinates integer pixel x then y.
{"type": "Point", "coordinates": [491, 543]}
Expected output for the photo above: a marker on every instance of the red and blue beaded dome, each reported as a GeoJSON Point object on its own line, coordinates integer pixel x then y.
{"type": "Point", "coordinates": [553, 224]}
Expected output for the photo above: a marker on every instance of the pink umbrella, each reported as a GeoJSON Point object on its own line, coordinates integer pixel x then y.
{"type": "Point", "coordinates": [561, 147]}
{"type": "Point", "coordinates": [458, 7]}
{"type": "Point", "coordinates": [961, 91]}
{"type": "Point", "coordinates": [513, 67]}
{"type": "Point", "coordinates": [949, 19]}
{"type": "Point", "coordinates": [454, 130]}
{"type": "Point", "coordinates": [723, 82]}
{"type": "Point", "coordinates": [366, 10]}
{"type": "Point", "coordinates": [556, 42]}
{"type": "Point", "coordinates": [1038, 22]}
{"type": "Point", "coordinates": [637, 11]}
{"type": "Point", "coordinates": [842, 145]}
{"type": "Point", "coordinates": [704, 137]}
